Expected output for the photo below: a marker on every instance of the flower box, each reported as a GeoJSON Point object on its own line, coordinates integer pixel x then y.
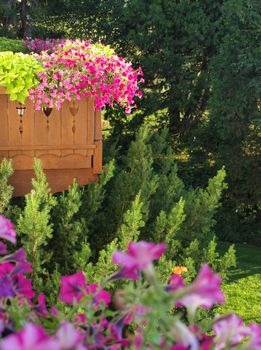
{"type": "Point", "coordinates": [68, 142]}
{"type": "Point", "coordinates": [51, 102]}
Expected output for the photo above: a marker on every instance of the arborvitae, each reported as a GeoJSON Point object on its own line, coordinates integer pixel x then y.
{"type": "Point", "coordinates": [135, 174]}
{"type": "Point", "coordinates": [34, 226]}
{"type": "Point", "coordinates": [69, 234]}
{"type": "Point", "coordinates": [167, 226]}
{"type": "Point", "coordinates": [129, 231]}
{"type": "Point", "coordinates": [92, 210]}
{"type": "Point", "coordinates": [6, 190]}
{"type": "Point", "coordinates": [201, 206]}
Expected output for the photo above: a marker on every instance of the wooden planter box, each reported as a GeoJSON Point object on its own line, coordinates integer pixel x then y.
{"type": "Point", "coordinates": [68, 142]}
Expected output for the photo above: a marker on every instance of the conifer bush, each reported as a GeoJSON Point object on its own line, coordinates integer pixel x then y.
{"type": "Point", "coordinates": [140, 196]}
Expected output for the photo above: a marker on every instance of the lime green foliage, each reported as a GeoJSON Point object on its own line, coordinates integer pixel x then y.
{"type": "Point", "coordinates": [18, 74]}
{"type": "Point", "coordinates": [34, 227]}
{"type": "Point", "coordinates": [6, 190]}
{"type": "Point", "coordinates": [243, 289]}
{"type": "Point", "coordinates": [13, 45]}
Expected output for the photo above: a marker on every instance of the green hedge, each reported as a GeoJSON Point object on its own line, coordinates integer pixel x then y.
{"type": "Point", "coordinates": [13, 45]}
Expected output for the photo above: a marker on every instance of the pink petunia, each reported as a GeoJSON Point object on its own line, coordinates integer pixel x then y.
{"type": "Point", "coordinates": [254, 342]}
{"type": "Point", "coordinates": [72, 288]}
{"type": "Point", "coordinates": [176, 282]}
{"type": "Point", "coordinates": [31, 337]}
{"type": "Point", "coordinates": [100, 295]}
{"type": "Point", "coordinates": [21, 286]}
{"type": "Point", "coordinates": [203, 292]}
{"type": "Point", "coordinates": [7, 230]}
{"type": "Point", "coordinates": [41, 308]}
{"type": "Point", "coordinates": [124, 273]}
{"type": "Point", "coordinates": [229, 331]}
{"type": "Point", "coordinates": [3, 248]}
{"type": "Point", "coordinates": [139, 255]}
{"type": "Point", "coordinates": [184, 337]}
{"type": "Point", "coordinates": [19, 257]}
{"type": "Point", "coordinates": [69, 337]}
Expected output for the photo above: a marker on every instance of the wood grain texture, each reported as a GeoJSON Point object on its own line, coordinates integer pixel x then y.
{"type": "Point", "coordinates": [66, 152]}
{"type": "Point", "coordinates": [58, 180]}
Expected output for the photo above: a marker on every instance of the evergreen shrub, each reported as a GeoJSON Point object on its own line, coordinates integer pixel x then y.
{"type": "Point", "coordinates": [140, 196]}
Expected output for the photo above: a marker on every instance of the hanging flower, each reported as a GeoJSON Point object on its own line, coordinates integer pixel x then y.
{"type": "Point", "coordinates": [79, 68]}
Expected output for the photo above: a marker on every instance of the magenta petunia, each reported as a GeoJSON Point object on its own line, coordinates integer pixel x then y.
{"type": "Point", "coordinates": [41, 308]}
{"type": "Point", "coordinates": [6, 287]}
{"type": "Point", "coordinates": [254, 342]}
{"type": "Point", "coordinates": [7, 230]}
{"type": "Point", "coordinates": [73, 288]}
{"type": "Point", "coordinates": [19, 257]}
{"type": "Point", "coordinates": [69, 337]}
{"type": "Point", "coordinates": [203, 292]}
{"type": "Point", "coordinates": [184, 336]}
{"type": "Point", "coordinates": [124, 273]}
{"type": "Point", "coordinates": [175, 283]}
{"type": "Point", "coordinates": [20, 284]}
{"type": "Point", "coordinates": [31, 337]}
{"type": "Point", "coordinates": [100, 295]}
{"type": "Point", "coordinates": [139, 255]}
{"type": "Point", "coordinates": [229, 330]}
{"type": "Point", "coordinates": [3, 248]}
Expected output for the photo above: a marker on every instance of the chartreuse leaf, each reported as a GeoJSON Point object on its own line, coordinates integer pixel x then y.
{"type": "Point", "coordinates": [18, 74]}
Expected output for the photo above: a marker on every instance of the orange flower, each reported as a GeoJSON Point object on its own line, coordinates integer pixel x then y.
{"type": "Point", "coordinates": [179, 270]}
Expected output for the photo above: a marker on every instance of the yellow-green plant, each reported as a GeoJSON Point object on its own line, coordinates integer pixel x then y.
{"type": "Point", "coordinates": [18, 74]}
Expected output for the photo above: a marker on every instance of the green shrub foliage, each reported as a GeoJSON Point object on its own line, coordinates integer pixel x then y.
{"type": "Point", "coordinates": [34, 226]}
{"type": "Point", "coordinates": [139, 196]}
{"type": "Point", "coordinates": [6, 190]}
{"type": "Point", "coordinates": [13, 45]}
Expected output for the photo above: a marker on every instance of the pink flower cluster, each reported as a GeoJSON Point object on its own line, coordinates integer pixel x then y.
{"type": "Point", "coordinates": [79, 68]}
{"type": "Point", "coordinates": [91, 323]}
{"type": "Point", "coordinates": [38, 45]}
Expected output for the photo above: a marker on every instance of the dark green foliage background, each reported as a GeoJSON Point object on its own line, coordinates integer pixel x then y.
{"type": "Point", "coordinates": [201, 61]}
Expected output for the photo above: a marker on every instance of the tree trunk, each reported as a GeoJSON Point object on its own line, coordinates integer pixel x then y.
{"type": "Point", "coordinates": [23, 19]}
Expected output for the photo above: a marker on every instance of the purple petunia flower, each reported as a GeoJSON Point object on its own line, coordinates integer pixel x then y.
{"type": "Point", "coordinates": [31, 337]}
{"type": "Point", "coordinates": [139, 255]}
{"type": "Point", "coordinates": [203, 292]}
{"type": "Point", "coordinates": [7, 230]}
{"type": "Point", "coordinates": [229, 331]}
{"type": "Point", "coordinates": [3, 248]}
{"type": "Point", "coordinates": [73, 288]}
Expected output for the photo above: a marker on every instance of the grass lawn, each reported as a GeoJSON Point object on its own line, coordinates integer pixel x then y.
{"type": "Point", "coordinates": [243, 289]}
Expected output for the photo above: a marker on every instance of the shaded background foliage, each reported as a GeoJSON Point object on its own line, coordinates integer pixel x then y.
{"type": "Point", "coordinates": [201, 61]}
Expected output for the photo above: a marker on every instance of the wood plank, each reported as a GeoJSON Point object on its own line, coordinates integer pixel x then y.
{"type": "Point", "coordinates": [97, 158]}
{"type": "Point", "coordinates": [46, 147]}
{"type": "Point", "coordinates": [67, 134]}
{"type": "Point", "coordinates": [90, 120]}
{"type": "Point", "coordinates": [57, 179]}
{"type": "Point", "coordinates": [4, 129]}
{"type": "Point", "coordinates": [40, 128]}
{"type": "Point", "coordinates": [15, 137]}
{"type": "Point", "coordinates": [28, 127]}
{"type": "Point", "coordinates": [98, 126]}
{"type": "Point", "coordinates": [52, 161]}
{"type": "Point", "coordinates": [80, 132]}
